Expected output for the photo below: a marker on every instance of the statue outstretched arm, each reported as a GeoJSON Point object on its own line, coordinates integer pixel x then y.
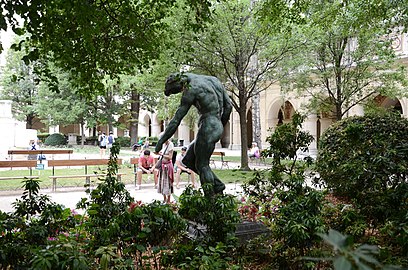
{"type": "Point", "coordinates": [173, 125]}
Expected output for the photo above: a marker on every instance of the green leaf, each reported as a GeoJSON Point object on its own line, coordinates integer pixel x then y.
{"type": "Point", "coordinates": [341, 263]}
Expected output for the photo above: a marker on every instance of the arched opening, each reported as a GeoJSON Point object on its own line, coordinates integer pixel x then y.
{"type": "Point", "coordinates": [280, 117]}
{"type": "Point", "coordinates": [123, 128]}
{"type": "Point", "coordinates": [279, 113]}
{"type": "Point", "coordinates": [389, 103]}
{"type": "Point", "coordinates": [147, 126]}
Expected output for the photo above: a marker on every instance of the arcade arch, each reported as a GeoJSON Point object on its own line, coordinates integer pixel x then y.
{"type": "Point", "coordinates": [279, 113]}
{"type": "Point", "coordinates": [389, 103]}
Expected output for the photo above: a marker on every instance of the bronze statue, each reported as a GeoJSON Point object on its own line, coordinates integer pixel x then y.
{"type": "Point", "coordinates": [208, 95]}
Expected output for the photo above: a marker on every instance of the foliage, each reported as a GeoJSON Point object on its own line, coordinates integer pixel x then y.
{"type": "Point", "coordinates": [259, 208]}
{"type": "Point", "coordinates": [346, 57]}
{"type": "Point", "coordinates": [293, 207]}
{"type": "Point", "coordinates": [56, 139]}
{"type": "Point", "coordinates": [27, 229]}
{"type": "Point", "coordinates": [218, 214]}
{"type": "Point", "coordinates": [51, 106]}
{"type": "Point", "coordinates": [364, 158]}
{"type": "Point", "coordinates": [232, 48]}
{"type": "Point", "coordinates": [193, 256]}
{"type": "Point", "coordinates": [345, 217]}
{"type": "Point", "coordinates": [20, 84]}
{"type": "Point", "coordinates": [123, 141]}
{"type": "Point", "coordinates": [347, 257]}
{"type": "Point", "coordinates": [112, 234]}
{"type": "Point", "coordinates": [113, 37]}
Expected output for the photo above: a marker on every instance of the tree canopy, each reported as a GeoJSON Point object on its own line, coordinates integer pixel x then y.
{"type": "Point", "coordinates": [347, 58]}
{"type": "Point", "coordinates": [96, 38]}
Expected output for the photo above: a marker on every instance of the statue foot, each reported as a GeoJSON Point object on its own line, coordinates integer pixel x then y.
{"type": "Point", "coordinates": [219, 188]}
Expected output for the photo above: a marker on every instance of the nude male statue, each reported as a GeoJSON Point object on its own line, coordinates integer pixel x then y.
{"type": "Point", "coordinates": [207, 94]}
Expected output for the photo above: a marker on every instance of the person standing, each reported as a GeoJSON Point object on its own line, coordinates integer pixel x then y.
{"type": "Point", "coordinates": [165, 170]}
{"type": "Point", "coordinates": [102, 144]}
{"type": "Point", "coordinates": [145, 165]}
{"type": "Point", "coordinates": [180, 168]}
{"type": "Point", "coordinates": [110, 140]}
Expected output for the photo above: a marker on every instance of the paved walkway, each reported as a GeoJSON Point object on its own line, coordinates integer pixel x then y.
{"type": "Point", "coordinates": [69, 197]}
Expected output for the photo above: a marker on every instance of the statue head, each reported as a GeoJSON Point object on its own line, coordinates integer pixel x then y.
{"type": "Point", "coordinates": [175, 83]}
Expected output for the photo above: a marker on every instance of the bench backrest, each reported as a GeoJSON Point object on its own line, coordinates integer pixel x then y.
{"type": "Point", "coordinates": [18, 163]}
{"type": "Point", "coordinates": [36, 152]}
{"type": "Point", "coordinates": [80, 162]}
{"type": "Point", "coordinates": [218, 154]}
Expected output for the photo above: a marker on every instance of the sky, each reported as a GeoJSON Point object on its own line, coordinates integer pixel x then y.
{"type": "Point", "coordinates": [6, 39]}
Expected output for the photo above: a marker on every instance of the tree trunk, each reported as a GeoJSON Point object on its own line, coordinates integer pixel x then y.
{"type": "Point", "coordinates": [339, 112]}
{"type": "Point", "coordinates": [29, 121]}
{"type": "Point", "coordinates": [244, 137]}
{"type": "Point", "coordinates": [256, 120]}
{"type": "Point", "coordinates": [134, 120]}
{"type": "Point", "coordinates": [82, 134]}
{"type": "Point", "coordinates": [109, 105]}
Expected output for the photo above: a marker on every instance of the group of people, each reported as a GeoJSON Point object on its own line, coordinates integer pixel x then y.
{"type": "Point", "coordinates": [105, 142]}
{"type": "Point", "coordinates": [163, 170]}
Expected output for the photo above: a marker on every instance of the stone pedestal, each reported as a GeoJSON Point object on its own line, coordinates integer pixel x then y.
{"type": "Point", "coordinates": [247, 230]}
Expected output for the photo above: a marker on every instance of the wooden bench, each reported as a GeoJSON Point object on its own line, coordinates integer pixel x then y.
{"type": "Point", "coordinates": [79, 162]}
{"type": "Point", "coordinates": [135, 163]}
{"type": "Point", "coordinates": [19, 164]}
{"type": "Point", "coordinates": [35, 153]}
{"type": "Point", "coordinates": [224, 163]}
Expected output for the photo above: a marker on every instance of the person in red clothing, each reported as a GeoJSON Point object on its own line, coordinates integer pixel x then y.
{"type": "Point", "coordinates": [146, 165]}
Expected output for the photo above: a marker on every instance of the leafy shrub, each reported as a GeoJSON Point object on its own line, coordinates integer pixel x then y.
{"type": "Point", "coordinates": [292, 205]}
{"type": "Point", "coordinates": [347, 256]}
{"type": "Point", "coordinates": [25, 231]}
{"type": "Point", "coordinates": [217, 213]}
{"type": "Point", "coordinates": [344, 217]}
{"type": "Point", "coordinates": [56, 139]}
{"type": "Point", "coordinates": [365, 159]}
{"type": "Point", "coordinates": [123, 141]}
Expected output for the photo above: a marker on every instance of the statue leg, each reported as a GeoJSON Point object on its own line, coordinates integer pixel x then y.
{"type": "Point", "coordinates": [207, 136]}
{"type": "Point", "coordinates": [190, 158]}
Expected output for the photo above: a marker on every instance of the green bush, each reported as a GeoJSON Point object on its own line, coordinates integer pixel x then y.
{"type": "Point", "coordinates": [218, 214]}
{"type": "Point", "coordinates": [56, 139]}
{"type": "Point", "coordinates": [365, 159]}
{"type": "Point", "coordinates": [282, 194]}
{"type": "Point", "coordinates": [123, 141]}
